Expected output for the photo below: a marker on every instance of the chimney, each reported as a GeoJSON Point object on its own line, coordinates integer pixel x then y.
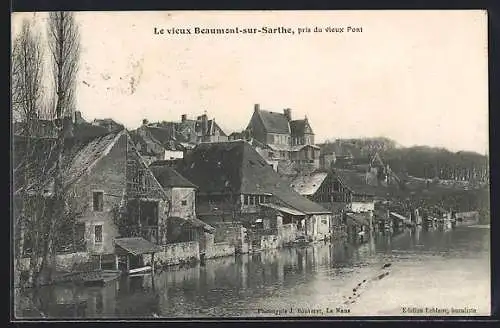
{"type": "Point", "coordinates": [288, 113]}
{"type": "Point", "coordinates": [256, 107]}
{"type": "Point", "coordinates": [183, 118]}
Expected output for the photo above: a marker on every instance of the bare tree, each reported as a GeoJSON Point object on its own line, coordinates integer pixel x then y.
{"type": "Point", "coordinates": [26, 93]}
{"type": "Point", "coordinates": [27, 70]}
{"type": "Point", "coordinates": [64, 45]}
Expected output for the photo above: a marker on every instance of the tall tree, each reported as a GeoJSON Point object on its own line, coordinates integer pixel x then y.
{"type": "Point", "coordinates": [26, 93]}
{"type": "Point", "coordinates": [64, 45]}
{"type": "Point", "coordinates": [27, 70]}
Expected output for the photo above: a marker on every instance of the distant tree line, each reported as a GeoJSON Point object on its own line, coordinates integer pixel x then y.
{"type": "Point", "coordinates": [419, 161]}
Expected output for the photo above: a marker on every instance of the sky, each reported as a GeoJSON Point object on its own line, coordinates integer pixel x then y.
{"type": "Point", "coordinates": [417, 77]}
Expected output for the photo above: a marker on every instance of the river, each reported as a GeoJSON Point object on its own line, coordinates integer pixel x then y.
{"type": "Point", "coordinates": [427, 273]}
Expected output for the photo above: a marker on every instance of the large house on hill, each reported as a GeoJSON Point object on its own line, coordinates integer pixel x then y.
{"type": "Point", "coordinates": [289, 140]}
{"type": "Point", "coordinates": [237, 184]}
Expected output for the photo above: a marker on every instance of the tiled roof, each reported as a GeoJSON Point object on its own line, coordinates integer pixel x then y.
{"type": "Point", "coordinates": [335, 207]}
{"type": "Point", "coordinates": [235, 167]}
{"type": "Point", "coordinates": [212, 126]}
{"type": "Point", "coordinates": [308, 184]}
{"type": "Point", "coordinates": [168, 177]}
{"type": "Point", "coordinates": [274, 122]}
{"type": "Point", "coordinates": [166, 137]}
{"type": "Point", "coordinates": [192, 221]}
{"type": "Point", "coordinates": [137, 245]}
{"type": "Point", "coordinates": [279, 147]}
{"type": "Point", "coordinates": [283, 209]}
{"type": "Point", "coordinates": [300, 127]}
{"type": "Point", "coordinates": [87, 131]}
{"type": "Point", "coordinates": [79, 158]}
{"type": "Point", "coordinates": [300, 147]}
{"type": "Point", "coordinates": [355, 181]}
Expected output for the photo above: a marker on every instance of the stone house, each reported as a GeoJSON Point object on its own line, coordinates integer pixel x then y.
{"type": "Point", "coordinates": [290, 140]}
{"type": "Point", "coordinates": [237, 185]}
{"type": "Point", "coordinates": [157, 143]}
{"type": "Point", "coordinates": [111, 192]}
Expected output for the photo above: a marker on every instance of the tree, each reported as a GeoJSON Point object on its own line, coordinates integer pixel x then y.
{"type": "Point", "coordinates": [27, 70]}
{"type": "Point", "coordinates": [64, 45]}
{"type": "Point", "coordinates": [26, 93]}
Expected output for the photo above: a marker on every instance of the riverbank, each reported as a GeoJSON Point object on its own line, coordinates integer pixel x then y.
{"type": "Point", "coordinates": [426, 268]}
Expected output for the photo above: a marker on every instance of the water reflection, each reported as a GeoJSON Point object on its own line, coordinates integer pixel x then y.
{"type": "Point", "coordinates": [239, 286]}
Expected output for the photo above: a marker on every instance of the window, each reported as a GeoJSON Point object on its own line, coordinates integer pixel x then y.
{"type": "Point", "coordinates": [184, 202]}
{"type": "Point", "coordinates": [98, 201]}
{"type": "Point", "coordinates": [98, 233]}
{"type": "Point", "coordinates": [245, 200]}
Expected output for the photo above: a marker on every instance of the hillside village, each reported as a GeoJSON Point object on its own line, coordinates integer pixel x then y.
{"type": "Point", "coordinates": [172, 192]}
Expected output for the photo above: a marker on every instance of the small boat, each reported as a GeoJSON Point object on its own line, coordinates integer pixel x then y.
{"type": "Point", "coordinates": [100, 277]}
{"type": "Point", "coordinates": [140, 270]}
{"type": "Point", "coordinates": [90, 278]}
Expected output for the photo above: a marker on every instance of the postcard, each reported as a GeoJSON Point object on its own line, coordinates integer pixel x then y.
{"type": "Point", "coordinates": [250, 164]}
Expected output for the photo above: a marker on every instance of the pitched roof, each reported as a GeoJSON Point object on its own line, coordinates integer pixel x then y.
{"type": "Point", "coordinates": [274, 122]}
{"type": "Point", "coordinates": [235, 167]}
{"type": "Point", "coordinates": [300, 147]}
{"type": "Point", "coordinates": [212, 126]}
{"type": "Point", "coordinates": [355, 181]}
{"type": "Point", "coordinates": [138, 139]}
{"type": "Point", "coordinates": [168, 177]}
{"type": "Point", "coordinates": [87, 131]}
{"type": "Point", "coordinates": [283, 209]}
{"type": "Point", "coordinates": [300, 127]}
{"type": "Point", "coordinates": [167, 137]}
{"type": "Point", "coordinates": [192, 221]}
{"type": "Point", "coordinates": [137, 245]}
{"type": "Point", "coordinates": [308, 184]}
{"type": "Point", "coordinates": [78, 159]}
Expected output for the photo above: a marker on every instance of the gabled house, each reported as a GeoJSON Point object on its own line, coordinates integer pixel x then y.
{"type": "Point", "coordinates": [182, 223]}
{"type": "Point", "coordinates": [195, 131]}
{"type": "Point", "coordinates": [351, 187]}
{"type": "Point", "coordinates": [237, 184]}
{"type": "Point", "coordinates": [108, 188]}
{"type": "Point", "coordinates": [157, 143]}
{"type": "Point", "coordinates": [290, 140]}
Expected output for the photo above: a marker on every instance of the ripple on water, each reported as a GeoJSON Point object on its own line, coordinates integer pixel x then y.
{"type": "Point", "coordinates": [445, 268]}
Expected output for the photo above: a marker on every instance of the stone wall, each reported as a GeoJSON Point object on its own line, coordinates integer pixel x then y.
{"type": "Point", "coordinates": [358, 207]}
{"type": "Point", "coordinates": [173, 254]}
{"type": "Point", "coordinates": [64, 262]}
{"type": "Point", "coordinates": [288, 233]}
{"type": "Point", "coordinates": [219, 250]}
{"type": "Point", "coordinates": [232, 233]}
{"type": "Point", "coordinates": [269, 242]}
